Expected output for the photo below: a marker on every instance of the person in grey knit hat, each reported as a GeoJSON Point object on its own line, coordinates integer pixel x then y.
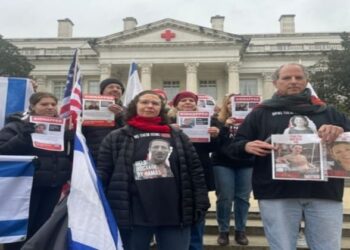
{"type": "Point", "coordinates": [104, 84]}
{"type": "Point", "coordinates": [113, 87]}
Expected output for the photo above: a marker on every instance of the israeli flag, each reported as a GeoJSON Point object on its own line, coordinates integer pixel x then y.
{"type": "Point", "coordinates": [14, 96]}
{"type": "Point", "coordinates": [134, 85]}
{"type": "Point", "coordinates": [91, 224]}
{"type": "Point", "coordinates": [16, 179]}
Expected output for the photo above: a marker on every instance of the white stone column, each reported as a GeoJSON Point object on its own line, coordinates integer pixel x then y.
{"type": "Point", "coordinates": [42, 83]}
{"type": "Point", "coordinates": [106, 70]}
{"type": "Point", "coordinates": [268, 87]}
{"type": "Point", "coordinates": [191, 77]}
{"type": "Point", "coordinates": [233, 77]}
{"type": "Point", "coordinates": [146, 75]}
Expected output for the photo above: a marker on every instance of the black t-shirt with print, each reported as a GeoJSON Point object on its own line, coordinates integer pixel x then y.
{"type": "Point", "coordinates": [155, 199]}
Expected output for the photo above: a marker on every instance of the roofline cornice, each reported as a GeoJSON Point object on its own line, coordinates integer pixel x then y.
{"type": "Point", "coordinates": [165, 23]}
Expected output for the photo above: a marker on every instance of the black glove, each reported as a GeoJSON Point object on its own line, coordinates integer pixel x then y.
{"type": "Point", "coordinates": [199, 216]}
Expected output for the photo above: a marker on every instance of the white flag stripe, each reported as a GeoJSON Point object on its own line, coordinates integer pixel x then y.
{"type": "Point", "coordinates": [16, 179]}
{"type": "Point", "coordinates": [134, 85]}
{"type": "Point", "coordinates": [93, 211]}
{"type": "Point", "coordinates": [9, 239]}
{"type": "Point", "coordinates": [87, 220]}
{"type": "Point", "coordinates": [18, 91]}
{"type": "Point", "coordinates": [3, 99]}
{"type": "Point", "coordinates": [29, 91]}
{"type": "Point", "coordinates": [309, 86]}
{"type": "Point", "coordinates": [14, 158]}
{"type": "Point", "coordinates": [15, 196]}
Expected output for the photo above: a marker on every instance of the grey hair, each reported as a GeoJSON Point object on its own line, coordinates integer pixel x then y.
{"type": "Point", "coordinates": [276, 74]}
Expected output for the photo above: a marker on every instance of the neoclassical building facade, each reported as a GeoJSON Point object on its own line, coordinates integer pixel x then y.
{"type": "Point", "coordinates": [176, 55]}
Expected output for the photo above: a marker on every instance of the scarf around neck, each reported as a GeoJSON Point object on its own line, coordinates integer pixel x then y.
{"type": "Point", "coordinates": [303, 103]}
{"type": "Point", "coordinates": [149, 124]}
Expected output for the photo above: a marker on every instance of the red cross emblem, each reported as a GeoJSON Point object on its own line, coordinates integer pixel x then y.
{"type": "Point", "coordinates": [167, 35]}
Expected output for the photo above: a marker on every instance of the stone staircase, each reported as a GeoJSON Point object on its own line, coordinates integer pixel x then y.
{"type": "Point", "coordinates": [255, 231]}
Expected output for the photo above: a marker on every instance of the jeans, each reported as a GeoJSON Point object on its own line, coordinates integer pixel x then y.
{"type": "Point", "coordinates": [167, 237]}
{"type": "Point", "coordinates": [323, 222]}
{"type": "Point", "coordinates": [232, 185]}
{"type": "Point", "coordinates": [197, 233]}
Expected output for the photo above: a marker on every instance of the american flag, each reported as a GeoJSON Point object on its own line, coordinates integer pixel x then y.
{"type": "Point", "coordinates": [71, 103]}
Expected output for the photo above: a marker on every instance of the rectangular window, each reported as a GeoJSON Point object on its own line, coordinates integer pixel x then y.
{"type": "Point", "coordinates": [93, 87]}
{"type": "Point", "coordinates": [58, 89]}
{"type": "Point", "coordinates": [248, 86]}
{"type": "Point", "coordinates": [208, 87]}
{"type": "Point", "coordinates": [171, 88]}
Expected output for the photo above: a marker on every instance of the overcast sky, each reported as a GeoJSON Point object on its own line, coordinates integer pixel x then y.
{"type": "Point", "coordinates": [94, 18]}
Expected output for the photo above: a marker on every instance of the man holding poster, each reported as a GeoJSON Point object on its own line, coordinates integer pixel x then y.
{"type": "Point", "coordinates": [95, 134]}
{"type": "Point", "coordinates": [282, 203]}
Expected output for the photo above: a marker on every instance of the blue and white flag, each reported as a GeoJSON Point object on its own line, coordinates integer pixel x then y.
{"type": "Point", "coordinates": [134, 85]}
{"type": "Point", "coordinates": [91, 224]}
{"type": "Point", "coordinates": [313, 93]}
{"type": "Point", "coordinates": [14, 96]}
{"type": "Point", "coordinates": [16, 179]}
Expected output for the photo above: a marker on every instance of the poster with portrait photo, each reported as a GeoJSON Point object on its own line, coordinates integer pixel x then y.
{"type": "Point", "coordinates": [195, 124]}
{"type": "Point", "coordinates": [300, 124]}
{"type": "Point", "coordinates": [242, 105]}
{"type": "Point", "coordinates": [206, 103]}
{"type": "Point", "coordinates": [96, 112]}
{"type": "Point", "coordinates": [157, 164]}
{"type": "Point", "coordinates": [338, 157]}
{"type": "Point", "coordinates": [49, 133]}
{"type": "Point", "coordinates": [298, 157]}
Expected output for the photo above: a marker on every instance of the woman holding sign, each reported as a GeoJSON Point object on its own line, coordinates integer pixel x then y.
{"type": "Point", "coordinates": [187, 101]}
{"type": "Point", "coordinates": [53, 169]}
{"type": "Point", "coordinates": [232, 181]}
{"type": "Point", "coordinates": [153, 178]}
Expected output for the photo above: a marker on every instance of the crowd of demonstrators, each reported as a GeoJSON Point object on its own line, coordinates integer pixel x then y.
{"type": "Point", "coordinates": [232, 180]}
{"type": "Point", "coordinates": [282, 203]}
{"type": "Point", "coordinates": [52, 169]}
{"type": "Point", "coordinates": [157, 181]}
{"type": "Point", "coordinates": [144, 202]}
{"type": "Point", "coordinates": [93, 134]}
{"type": "Point", "coordinates": [187, 101]}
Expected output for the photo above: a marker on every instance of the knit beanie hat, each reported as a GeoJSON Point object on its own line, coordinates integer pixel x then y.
{"type": "Point", "coordinates": [184, 94]}
{"type": "Point", "coordinates": [108, 81]}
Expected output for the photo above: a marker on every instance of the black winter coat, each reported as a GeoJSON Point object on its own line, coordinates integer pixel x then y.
{"type": "Point", "coordinates": [260, 124]}
{"type": "Point", "coordinates": [219, 156]}
{"type": "Point", "coordinates": [52, 169]}
{"type": "Point", "coordinates": [116, 171]}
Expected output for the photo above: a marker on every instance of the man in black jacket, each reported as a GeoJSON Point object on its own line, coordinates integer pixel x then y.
{"type": "Point", "coordinates": [95, 135]}
{"type": "Point", "coordinates": [282, 202]}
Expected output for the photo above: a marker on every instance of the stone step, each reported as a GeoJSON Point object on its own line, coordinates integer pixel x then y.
{"type": "Point", "coordinates": [254, 227]}
{"type": "Point", "coordinates": [255, 215]}
{"type": "Point", "coordinates": [255, 243]}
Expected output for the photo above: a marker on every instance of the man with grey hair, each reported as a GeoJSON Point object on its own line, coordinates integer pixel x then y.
{"type": "Point", "coordinates": [282, 203]}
